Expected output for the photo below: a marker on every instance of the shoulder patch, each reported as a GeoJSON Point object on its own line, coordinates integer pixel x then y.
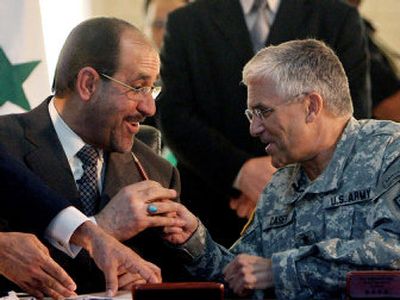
{"type": "Point", "coordinates": [390, 176]}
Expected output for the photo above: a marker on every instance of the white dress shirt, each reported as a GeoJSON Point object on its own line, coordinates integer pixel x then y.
{"type": "Point", "coordinates": [62, 227]}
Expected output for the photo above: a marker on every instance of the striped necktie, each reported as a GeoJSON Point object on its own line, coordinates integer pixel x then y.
{"type": "Point", "coordinates": [260, 29]}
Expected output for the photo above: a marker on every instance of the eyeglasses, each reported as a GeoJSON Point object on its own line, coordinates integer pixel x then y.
{"type": "Point", "coordinates": [262, 112]}
{"type": "Point", "coordinates": [145, 90]}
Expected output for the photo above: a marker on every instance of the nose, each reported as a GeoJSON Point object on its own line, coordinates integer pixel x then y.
{"type": "Point", "coordinates": [147, 107]}
{"type": "Point", "coordinates": [256, 127]}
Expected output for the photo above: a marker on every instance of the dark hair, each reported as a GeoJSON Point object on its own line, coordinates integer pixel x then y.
{"type": "Point", "coordinates": [94, 43]}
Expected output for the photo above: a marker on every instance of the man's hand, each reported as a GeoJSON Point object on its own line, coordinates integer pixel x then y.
{"type": "Point", "coordinates": [248, 272]}
{"type": "Point", "coordinates": [126, 214]}
{"type": "Point", "coordinates": [388, 108]}
{"type": "Point", "coordinates": [187, 224]}
{"type": "Point", "coordinates": [254, 176]}
{"type": "Point", "coordinates": [127, 280]}
{"type": "Point", "coordinates": [114, 259]}
{"type": "Point", "coordinates": [243, 206]}
{"type": "Point", "coordinates": [26, 261]}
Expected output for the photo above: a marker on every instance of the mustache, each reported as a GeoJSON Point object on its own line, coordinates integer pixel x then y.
{"type": "Point", "coordinates": [135, 118]}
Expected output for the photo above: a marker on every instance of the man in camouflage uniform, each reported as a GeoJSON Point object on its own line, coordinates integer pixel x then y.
{"type": "Point", "coordinates": [334, 204]}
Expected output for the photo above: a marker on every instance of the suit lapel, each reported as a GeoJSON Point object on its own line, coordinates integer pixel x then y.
{"type": "Point", "coordinates": [290, 18]}
{"type": "Point", "coordinates": [120, 172]}
{"type": "Point", "coordinates": [228, 16]}
{"type": "Point", "coordinates": [47, 159]}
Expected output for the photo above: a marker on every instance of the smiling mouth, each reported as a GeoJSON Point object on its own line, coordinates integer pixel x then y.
{"type": "Point", "coordinates": [133, 126]}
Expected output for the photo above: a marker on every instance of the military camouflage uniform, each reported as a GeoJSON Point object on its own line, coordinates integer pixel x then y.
{"type": "Point", "coordinates": [316, 231]}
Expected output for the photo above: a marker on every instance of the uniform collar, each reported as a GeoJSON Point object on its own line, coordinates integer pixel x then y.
{"type": "Point", "coordinates": [331, 177]}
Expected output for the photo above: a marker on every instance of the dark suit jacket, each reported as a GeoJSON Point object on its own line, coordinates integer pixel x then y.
{"type": "Point", "coordinates": [32, 140]}
{"type": "Point", "coordinates": [202, 105]}
{"type": "Point", "coordinates": [384, 80]}
{"type": "Point", "coordinates": [23, 194]}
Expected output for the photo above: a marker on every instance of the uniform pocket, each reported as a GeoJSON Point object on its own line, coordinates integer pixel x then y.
{"type": "Point", "coordinates": [278, 231]}
{"type": "Point", "coordinates": [339, 222]}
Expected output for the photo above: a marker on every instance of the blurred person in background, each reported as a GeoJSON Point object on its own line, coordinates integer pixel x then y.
{"type": "Point", "coordinates": [156, 14]}
{"type": "Point", "coordinates": [385, 81]}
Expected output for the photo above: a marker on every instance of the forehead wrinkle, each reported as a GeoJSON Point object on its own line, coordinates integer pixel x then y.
{"type": "Point", "coordinates": [145, 65]}
{"type": "Point", "coordinates": [146, 68]}
{"type": "Point", "coordinates": [141, 42]}
{"type": "Point", "coordinates": [142, 76]}
{"type": "Point", "coordinates": [253, 100]}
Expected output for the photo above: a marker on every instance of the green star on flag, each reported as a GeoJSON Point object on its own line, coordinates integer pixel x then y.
{"type": "Point", "coordinates": [11, 79]}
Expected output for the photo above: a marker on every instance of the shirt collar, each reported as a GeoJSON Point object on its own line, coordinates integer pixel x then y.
{"type": "Point", "coordinates": [69, 140]}
{"type": "Point", "coordinates": [248, 4]}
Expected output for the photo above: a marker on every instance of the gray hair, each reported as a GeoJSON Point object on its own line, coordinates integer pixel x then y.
{"type": "Point", "coordinates": [302, 66]}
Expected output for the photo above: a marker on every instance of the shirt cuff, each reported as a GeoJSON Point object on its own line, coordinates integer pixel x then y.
{"type": "Point", "coordinates": [195, 246]}
{"type": "Point", "coordinates": [61, 228]}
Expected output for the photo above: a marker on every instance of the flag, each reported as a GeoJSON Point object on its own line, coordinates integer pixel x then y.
{"type": "Point", "coordinates": [24, 80]}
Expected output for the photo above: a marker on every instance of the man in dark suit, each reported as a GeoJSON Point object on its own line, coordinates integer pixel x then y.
{"type": "Point", "coordinates": [26, 261]}
{"type": "Point", "coordinates": [81, 144]}
{"type": "Point", "coordinates": [202, 105]}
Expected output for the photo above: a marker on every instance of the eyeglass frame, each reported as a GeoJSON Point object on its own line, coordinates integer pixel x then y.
{"type": "Point", "coordinates": [261, 113]}
{"type": "Point", "coordinates": [144, 90]}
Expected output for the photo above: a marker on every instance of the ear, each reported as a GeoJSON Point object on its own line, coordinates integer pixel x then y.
{"type": "Point", "coordinates": [314, 107]}
{"type": "Point", "coordinates": [86, 82]}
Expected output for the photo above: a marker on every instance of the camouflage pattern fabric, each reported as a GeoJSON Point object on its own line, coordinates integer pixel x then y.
{"type": "Point", "coordinates": [316, 231]}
